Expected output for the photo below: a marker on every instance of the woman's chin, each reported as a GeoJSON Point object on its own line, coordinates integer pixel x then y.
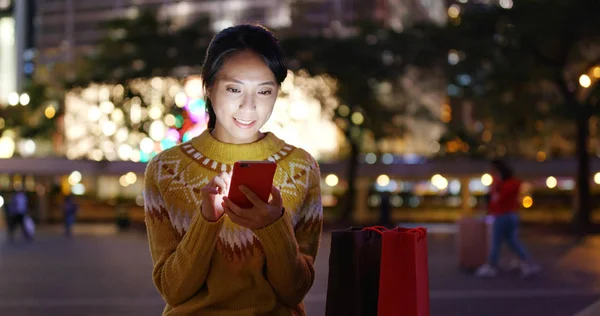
{"type": "Point", "coordinates": [246, 136]}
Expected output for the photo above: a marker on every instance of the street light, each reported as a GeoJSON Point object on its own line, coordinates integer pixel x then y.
{"type": "Point", "coordinates": [332, 180]}
{"type": "Point", "coordinates": [551, 182]}
{"type": "Point", "coordinates": [585, 81]}
{"type": "Point", "coordinates": [24, 99]}
{"type": "Point", "coordinates": [506, 4]}
{"type": "Point", "coordinates": [13, 98]}
{"type": "Point", "coordinates": [383, 180]}
{"type": "Point", "coordinates": [486, 179]}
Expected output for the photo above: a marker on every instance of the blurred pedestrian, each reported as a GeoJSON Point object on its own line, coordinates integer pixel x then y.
{"type": "Point", "coordinates": [503, 206]}
{"type": "Point", "coordinates": [18, 212]}
{"type": "Point", "coordinates": [70, 208]}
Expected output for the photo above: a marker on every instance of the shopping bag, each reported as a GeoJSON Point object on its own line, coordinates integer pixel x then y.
{"type": "Point", "coordinates": [404, 274]}
{"type": "Point", "coordinates": [354, 262]}
{"type": "Point", "coordinates": [473, 241]}
{"type": "Point", "coordinates": [29, 226]}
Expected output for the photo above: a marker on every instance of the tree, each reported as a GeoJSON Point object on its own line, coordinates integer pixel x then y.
{"type": "Point", "coordinates": [144, 47]}
{"type": "Point", "coordinates": [29, 120]}
{"type": "Point", "coordinates": [525, 63]}
{"type": "Point", "coordinates": [361, 63]}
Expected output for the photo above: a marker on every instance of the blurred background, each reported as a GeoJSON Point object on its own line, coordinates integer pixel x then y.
{"type": "Point", "coordinates": [403, 103]}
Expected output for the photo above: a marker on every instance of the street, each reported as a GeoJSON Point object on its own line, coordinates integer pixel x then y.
{"type": "Point", "coordinates": [101, 272]}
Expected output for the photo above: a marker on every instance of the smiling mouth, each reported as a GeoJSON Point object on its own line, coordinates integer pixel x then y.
{"type": "Point", "coordinates": [245, 122]}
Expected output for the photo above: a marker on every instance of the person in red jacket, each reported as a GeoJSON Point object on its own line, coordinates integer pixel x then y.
{"type": "Point", "coordinates": [503, 206]}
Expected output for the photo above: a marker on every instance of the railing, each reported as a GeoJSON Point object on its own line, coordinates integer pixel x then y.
{"type": "Point", "coordinates": [448, 168]}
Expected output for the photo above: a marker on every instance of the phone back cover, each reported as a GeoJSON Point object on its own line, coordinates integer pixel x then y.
{"type": "Point", "coordinates": [258, 177]}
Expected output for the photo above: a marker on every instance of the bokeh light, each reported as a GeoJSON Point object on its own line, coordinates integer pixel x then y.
{"type": "Point", "coordinates": [439, 181]}
{"type": "Point", "coordinates": [527, 202]}
{"type": "Point", "coordinates": [163, 112]}
{"type": "Point", "coordinates": [383, 180]}
{"type": "Point", "coordinates": [551, 182]}
{"type": "Point", "coordinates": [332, 180]}
{"type": "Point", "coordinates": [487, 179]}
{"type": "Point", "coordinates": [585, 81]}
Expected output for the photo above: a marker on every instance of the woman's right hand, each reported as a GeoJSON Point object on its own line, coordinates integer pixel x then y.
{"type": "Point", "coordinates": [212, 197]}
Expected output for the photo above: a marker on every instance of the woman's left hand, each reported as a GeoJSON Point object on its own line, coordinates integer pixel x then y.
{"type": "Point", "coordinates": [260, 215]}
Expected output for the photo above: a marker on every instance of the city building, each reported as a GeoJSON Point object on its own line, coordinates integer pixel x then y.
{"type": "Point", "coordinates": [16, 43]}
{"type": "Point", "coordinates": [67, 28]}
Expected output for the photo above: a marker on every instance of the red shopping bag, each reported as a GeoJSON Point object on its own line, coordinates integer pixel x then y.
{"type": "Point", "coordinates": [404, 275]}
{"type": "Point", "coordinates": [353, 281]}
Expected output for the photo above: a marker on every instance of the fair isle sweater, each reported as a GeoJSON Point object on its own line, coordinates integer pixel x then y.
{"type": "Point", "coordinates": [220, 268]}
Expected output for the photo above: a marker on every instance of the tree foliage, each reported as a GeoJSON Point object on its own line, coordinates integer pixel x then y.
{"type": "Point", "coordinates": [144, 47]}
{"type": "Point", "coordinates": [521, 68]}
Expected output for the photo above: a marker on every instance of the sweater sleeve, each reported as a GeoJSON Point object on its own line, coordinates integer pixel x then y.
{"type": "Point", "coordinates": [290, 252]}
{"type": "Point", "coordinates": [181, 260]}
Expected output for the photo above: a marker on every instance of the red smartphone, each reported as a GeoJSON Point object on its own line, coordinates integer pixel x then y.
{"type": "Point", "coordinates": [256, 175]}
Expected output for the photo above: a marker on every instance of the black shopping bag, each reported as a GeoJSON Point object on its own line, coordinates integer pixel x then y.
{"type": "Point", "coordinates": [354, 264]}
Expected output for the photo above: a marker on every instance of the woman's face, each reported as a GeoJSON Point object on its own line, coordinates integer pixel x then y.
{"type": "Point", "coordinates": [243, 96]}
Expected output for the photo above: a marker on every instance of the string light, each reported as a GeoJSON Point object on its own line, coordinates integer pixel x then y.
{"type": "Point", "coordinates": [150, 121]}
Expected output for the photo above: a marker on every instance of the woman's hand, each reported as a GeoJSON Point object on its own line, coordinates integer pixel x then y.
{"type": "Point", "coordinates": [212, 197]}
{"type": "Point", "coordinates": [261, 215]}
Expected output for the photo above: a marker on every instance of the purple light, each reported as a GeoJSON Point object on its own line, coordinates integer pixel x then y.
{"type": "Point", "coordinates": [197, 110]}
{"type": "Point", "coordinates": [173, 134]}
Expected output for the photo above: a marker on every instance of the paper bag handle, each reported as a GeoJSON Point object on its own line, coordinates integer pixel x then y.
{"type": "Point", "coordinates": [420, 231]}
{"type": "Point", "coordinates": [379, 229]}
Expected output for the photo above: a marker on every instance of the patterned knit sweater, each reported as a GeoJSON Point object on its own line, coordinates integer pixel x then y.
{"type": "Point", "coordinates": [220, 268]}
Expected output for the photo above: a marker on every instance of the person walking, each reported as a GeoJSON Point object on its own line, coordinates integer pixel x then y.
{"type": "Point", "coordinates": [18, 212]}
{"type": "Point", "coordinates": [70, 208]}
{"type": "Point", "coordinates": [503, 207]}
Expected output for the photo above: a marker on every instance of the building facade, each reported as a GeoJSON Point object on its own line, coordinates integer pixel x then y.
{"type": "Point", "coordinates": [16, 43]}
{"type": "Point", "coordinates": [67, 28]}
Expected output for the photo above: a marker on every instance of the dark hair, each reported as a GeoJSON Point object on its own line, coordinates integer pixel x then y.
{"type": "Point", "coordinates": [503, 169]}
{"type": "Point", "coordinates": [244, 37]}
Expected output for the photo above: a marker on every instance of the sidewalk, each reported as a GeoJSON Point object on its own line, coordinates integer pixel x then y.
{"type": "Point", "coordinates": [592, 310]}
{"type": "Point", "coordinates": [569, 283]}
{"type": "Point", "coordinates": [100, 268]}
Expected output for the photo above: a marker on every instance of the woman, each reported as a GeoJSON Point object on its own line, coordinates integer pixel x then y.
{"type": "Point", "coordinates": [503, 206]}
{"type": "Point", "coordinates": [210, 256]}
{"type": "Point", "coordinates": [70, 212]}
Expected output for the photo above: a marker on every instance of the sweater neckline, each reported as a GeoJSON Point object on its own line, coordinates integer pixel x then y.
{"type": "Point", "coordinates": [228, 153]}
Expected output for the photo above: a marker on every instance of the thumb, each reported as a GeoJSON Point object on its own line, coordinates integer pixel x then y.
{"type": "Point", "coordinates": [276, 196]}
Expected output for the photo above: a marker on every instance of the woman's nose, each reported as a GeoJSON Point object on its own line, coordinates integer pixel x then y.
{"type": "Point", "coordinates": [248, 103]}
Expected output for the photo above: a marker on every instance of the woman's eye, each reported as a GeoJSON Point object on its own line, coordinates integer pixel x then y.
{"type": "Point", "coordinates": [266, 92]}
{"type": "Point", "coordinates": [233, 90]}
